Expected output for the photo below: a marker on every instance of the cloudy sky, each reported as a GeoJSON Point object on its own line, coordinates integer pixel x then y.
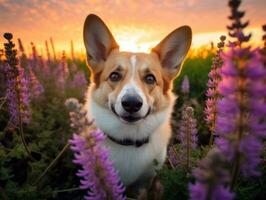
{"type": "Point", "coordinates": [135, 22]}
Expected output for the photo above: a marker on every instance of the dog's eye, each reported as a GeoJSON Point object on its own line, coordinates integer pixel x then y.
{"type": "Point", "coordinates": [149, 79]}
{"type": "Point", "coordinates": [115, 76]}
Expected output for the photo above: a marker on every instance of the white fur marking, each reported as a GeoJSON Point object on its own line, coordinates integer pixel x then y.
{"type": "Point", "coordinates": [131, 162]}
{"type": "Point", "coordinates": [131, 87]}
{"type": "Point", "coordinates": [133, 61]}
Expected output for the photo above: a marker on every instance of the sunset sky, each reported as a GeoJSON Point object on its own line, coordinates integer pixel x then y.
{"type": "Point", "coordinates": [137, 25]}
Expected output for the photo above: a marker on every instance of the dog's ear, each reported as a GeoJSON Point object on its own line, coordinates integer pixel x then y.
{"type": "Point", "coordinates": [173, 49]}
{"type": "Point", "coordinates": [98, 40]}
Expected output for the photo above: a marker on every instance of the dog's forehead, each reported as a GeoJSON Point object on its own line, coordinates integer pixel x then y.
{"type": "Point", "coordinates": [134, 61]}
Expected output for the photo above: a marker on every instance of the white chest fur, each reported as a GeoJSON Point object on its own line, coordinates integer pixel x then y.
{"type": "Point", "coordinates": [131, 162]}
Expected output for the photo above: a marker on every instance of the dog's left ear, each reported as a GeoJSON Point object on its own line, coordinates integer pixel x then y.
{"type": "Point", "coordinates": [173, 49]}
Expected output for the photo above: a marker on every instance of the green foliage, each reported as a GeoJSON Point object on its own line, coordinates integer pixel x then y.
{"type": "Point", "coordinates": [175, 183]}
{"type": "Point", "coordinates": [46, 135]}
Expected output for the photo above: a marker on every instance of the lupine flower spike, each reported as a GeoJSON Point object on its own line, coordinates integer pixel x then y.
{"type": "Point", "coordinates": [48, 55]}
{"type": "Point", "coordinates": [263, 50]}
{"type": "Point", "coordinates": [62, 71]}
{"type": "Point", "coordinates": [35, 85]}
{"type": "Point", "coordinates": [23, 58]}
{"type": "Point", "coordinates": [17, 86]}
{"type": "Point", "coordinates": [242, 111]}
{"type": "Point", "coordinates": [172, 157]}
{"type": "Point", "coordinates": [211, 179]}
{"type": "Point", "coordinates": [72, 50]}
{"type": "Point", "coordinates": [17, 90]}
{"type": "Point", "coordinates": [236, 28]}
{"type": "Point", "coordinates": [185, 85]}
{"type": "Point", "coordinates": [53, 48]}
{"type": "Point", "coordinates": [212, 92]}
{"type": "Point", "coordinates": [34, 61]}
{"type": "Point", "coordinates": [97, 173]}
{"type": "Point", "coordinates": [187, 134]}
{"type": "Point", "coordinates": [1, 54]}
{"type": "Point", "coordinates": [79, 80]}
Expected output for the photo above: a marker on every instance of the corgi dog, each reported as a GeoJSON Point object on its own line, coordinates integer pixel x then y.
{"type": "Point", "coordinates": [130, 97]}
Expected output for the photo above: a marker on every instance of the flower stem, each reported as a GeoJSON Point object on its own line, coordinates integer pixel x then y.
{"type": "Point", "coordinates": [240, 131]}
{"type": "Point", "coordinates": [235, 171]}
{"type": "Point", "coordinates": [3, 99]}
{"type": "Point", "coordinates": [52, 163]}
{"type": "Point", "coordinates": [67, 190]}
{"type": "Point", "coordinates": [21, 133]}
{"type": "Point", "coordinates": [211, 140]}
{"type": "Point", "coordinates": [212, 129]}
{"type": "Point", "coordinates": [20, 128]}
{"type": "Point", "coordinates": [188, 145]}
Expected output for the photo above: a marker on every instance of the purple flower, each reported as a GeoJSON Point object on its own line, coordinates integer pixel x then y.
{"type": "Point", "coordinates": [17, 86]}
{"type": "Point", "coordinates": [172, 156]}
{"type": "Point", "coordinates": [78, 80]}
{"type": "Point", "coordinates": [212, 92]}
{"type": "Point", "coordinates": [242, 112]}
{"type": "Point", "coordinates": [18, 96]}
{"type": "Point", "coordinates": [188, 128]}
{"type": "Point", "coordinates": [250, 147]}
{"type": "Point", "coordinates": [11, 95]}
{"type": "Point", "coordinates": [211, 179]}
{"type": "Point", "coordinates": [97, 173]}
{"type": "Point", "coordinates": [43, 68]}
{"type": "Point", "coordinates": [235, 30]}
{"type": "Point", "coordinates": [199, 192]}
{"type": "Point", "coordinates": [62, 72]}
{"type": "Point", "coordinates": [185, 85]}
{"type": "Point", "coordinates": [24, 96]}
{"type": "Point", "coordinates": [34, 56]}
{"type": "Point", "coordinates": [187, 133]}
{"type": "Point", "coordinates": [35, 85]}
{"type": "Point", "coordinates": [73, 67]}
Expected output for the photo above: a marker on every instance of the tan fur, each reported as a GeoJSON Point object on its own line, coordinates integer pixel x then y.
{"type": "Point", "coordinates": [157, 95]}
{"type": "Point", "coordinates": [164, 63]}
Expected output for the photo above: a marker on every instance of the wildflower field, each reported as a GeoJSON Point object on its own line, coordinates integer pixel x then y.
{"type": "Point", "coordinates": [217, 150]}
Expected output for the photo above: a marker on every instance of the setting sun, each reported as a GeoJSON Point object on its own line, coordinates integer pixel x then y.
{"type": "Point", "coordinates": [132, 39]}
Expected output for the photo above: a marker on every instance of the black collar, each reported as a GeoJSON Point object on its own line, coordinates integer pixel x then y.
{"type": "Point", "coordinates": [129, 142]}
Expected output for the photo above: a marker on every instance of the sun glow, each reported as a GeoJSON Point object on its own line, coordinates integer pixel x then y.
{"type": "Point", "coordinates": [143, 39]}
{"type": "Point", "coordinates": [134, 39]}
{"type": "Point", "coordinates": [130, 45]}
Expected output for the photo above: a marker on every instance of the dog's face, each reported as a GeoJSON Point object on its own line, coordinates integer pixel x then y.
{"type": "Point", "coordinates": [132, 86]}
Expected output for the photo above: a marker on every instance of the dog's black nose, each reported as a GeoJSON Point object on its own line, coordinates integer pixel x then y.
{"type": "Point", "coordinates": [131, 103]}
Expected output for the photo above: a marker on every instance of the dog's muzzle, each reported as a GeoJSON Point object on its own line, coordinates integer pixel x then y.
{"type": "Point", "coordinates": [131, 106]}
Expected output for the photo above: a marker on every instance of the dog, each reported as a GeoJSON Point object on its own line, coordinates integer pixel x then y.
{"type": "Point", "coordinates": [130, 97]}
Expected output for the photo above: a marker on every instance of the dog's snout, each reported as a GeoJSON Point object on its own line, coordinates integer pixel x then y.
{"type": "Point", "coordinates": [132, 103]}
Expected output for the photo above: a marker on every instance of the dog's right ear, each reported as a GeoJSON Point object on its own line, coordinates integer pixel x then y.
{"type": "Point", "coordinates": [98, 40]}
